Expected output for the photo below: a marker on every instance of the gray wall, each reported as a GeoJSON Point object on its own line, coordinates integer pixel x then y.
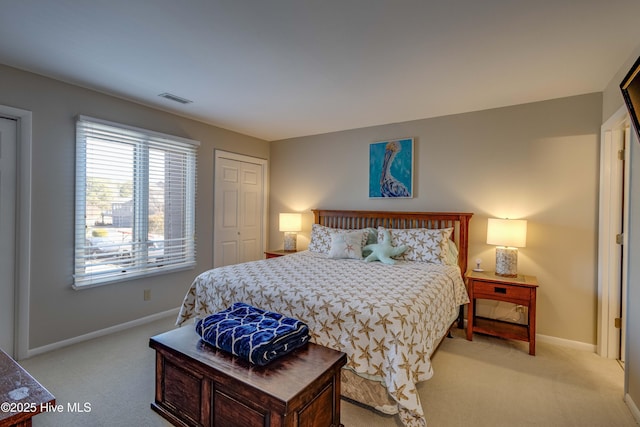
{"type": "Point", "coordinates": [537, 161]}
{"type": "Point", "coordinates": [58, 312]}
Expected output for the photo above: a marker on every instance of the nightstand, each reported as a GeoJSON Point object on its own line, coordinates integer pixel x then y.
{"type": "Point", "coordinates": [519, 290]}
{"type": "Point", "coordinates": [278, 252]}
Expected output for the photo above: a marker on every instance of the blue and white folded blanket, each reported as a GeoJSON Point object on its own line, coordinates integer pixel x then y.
{"type": "Point", "coordinates": [253, 334]}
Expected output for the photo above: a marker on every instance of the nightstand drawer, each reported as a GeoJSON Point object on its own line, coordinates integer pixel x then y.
{"type": "Point", "coordinates": [499, 291]}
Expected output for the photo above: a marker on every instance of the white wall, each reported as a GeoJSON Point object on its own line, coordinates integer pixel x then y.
{"type": "Point", "coordinates": [57, 312]}
{"type": "Point", "coordinates": [536, 161]}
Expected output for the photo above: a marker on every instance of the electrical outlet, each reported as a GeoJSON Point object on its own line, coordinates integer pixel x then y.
{"type": "Point", "coordinates": [520, 308]}
{"type": "Point", "coordinates": [147, 294]}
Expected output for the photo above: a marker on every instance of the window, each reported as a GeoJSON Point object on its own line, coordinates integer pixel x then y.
{"type": "Point", "coordinates": [135, 202]}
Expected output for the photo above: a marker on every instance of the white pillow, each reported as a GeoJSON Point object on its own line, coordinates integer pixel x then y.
{"type": "Point", "coordinates": [346, 245]}
{"type": "Point", "coordinates": [425, 245]}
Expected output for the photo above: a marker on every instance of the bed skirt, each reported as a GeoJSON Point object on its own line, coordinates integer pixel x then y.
{"type": "Point", "coordinates": [366, 392]}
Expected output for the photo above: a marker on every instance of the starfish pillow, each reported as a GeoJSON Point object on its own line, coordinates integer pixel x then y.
{"type": "Point", "coordinates": [383, 251]}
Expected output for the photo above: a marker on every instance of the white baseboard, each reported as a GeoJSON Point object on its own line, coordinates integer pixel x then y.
{"type": "Point", "coordinates": [632, 407]}
{"type": "Point", "coordinates": [102, 332]}
{"type": "Point", "coordinates": [577, 345]}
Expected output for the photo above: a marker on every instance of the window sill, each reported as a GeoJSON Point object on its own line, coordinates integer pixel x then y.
{"type": "Point", "coordinates": [127, 277]}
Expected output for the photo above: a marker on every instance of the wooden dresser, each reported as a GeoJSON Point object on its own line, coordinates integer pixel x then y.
{"type": "Point", "coordinates": [198, 385]}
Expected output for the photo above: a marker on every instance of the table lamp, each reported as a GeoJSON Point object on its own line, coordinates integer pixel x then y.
{"type": "Point", "coordinates": [290, 223]}
{"type": "Point", "coordinates": [508, 235]}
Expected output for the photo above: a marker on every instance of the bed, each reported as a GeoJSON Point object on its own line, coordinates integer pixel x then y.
{"type": "Point", "coordinates": [388, 318]}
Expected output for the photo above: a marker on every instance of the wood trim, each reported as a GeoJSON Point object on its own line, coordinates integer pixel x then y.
{"type": "Point", "coordinates": [355, 219]}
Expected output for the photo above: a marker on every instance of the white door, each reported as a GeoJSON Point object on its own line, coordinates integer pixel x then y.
{"type": "Point", "coordinates": [613, 256]}
{"type": "Point", "coordinates": [239, 210]}
{"type": "Point", "coordinates": [8, 163]}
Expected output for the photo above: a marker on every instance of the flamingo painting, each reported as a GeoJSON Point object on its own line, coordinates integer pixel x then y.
{"type": "Point", "coordinates": [390, 172]}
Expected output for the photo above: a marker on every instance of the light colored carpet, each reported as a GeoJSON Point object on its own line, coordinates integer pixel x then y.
{"type": "Point", "coordinates": [487, 382]}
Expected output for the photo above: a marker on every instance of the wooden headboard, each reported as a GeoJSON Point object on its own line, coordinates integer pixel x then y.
{"type": "Point", "coordinates": [391, 219]}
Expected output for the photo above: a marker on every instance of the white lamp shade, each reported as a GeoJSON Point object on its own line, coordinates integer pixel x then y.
{"type": "Point", "coordinates": [290, 222]}
{"type": "Point", "coordinates": [507, 232]}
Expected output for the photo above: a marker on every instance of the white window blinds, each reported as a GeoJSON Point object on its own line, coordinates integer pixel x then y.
{"type": "Point", "coordinates": [135, 202]}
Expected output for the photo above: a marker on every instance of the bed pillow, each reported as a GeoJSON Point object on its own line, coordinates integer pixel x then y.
{"type": "Point", "coordinates": [452, 259]}
{"type": "Point", "coordinates": [372, 239]}
{"type": "Point", "coordinates": [321, 238]}
{"type": "Point", "coordinates": [347, 244]}
{"type": "Point", "coordinates": [425, 245]}
{"type": "Point", "coordinates": [372, 236]}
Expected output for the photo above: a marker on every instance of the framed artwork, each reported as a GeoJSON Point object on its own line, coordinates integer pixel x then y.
{"type": "Point", "coordinates": [391, 168]}
{"type": "Point", "coordinates": [630, 87]}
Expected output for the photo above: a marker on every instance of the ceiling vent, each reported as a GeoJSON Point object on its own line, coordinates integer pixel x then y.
{"type": "Point", "coordinates": [175, 98]}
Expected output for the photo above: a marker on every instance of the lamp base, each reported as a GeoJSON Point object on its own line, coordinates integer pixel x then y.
{"type": "Point", "coordinates": [290, 240]}
{"type": "Point", "coordinates": [506, 262]}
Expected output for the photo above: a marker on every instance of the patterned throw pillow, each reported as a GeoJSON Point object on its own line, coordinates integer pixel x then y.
{"type": "Point", "coordinates": [425, 245]}
{"type": "Point", "coordinates": [321, 238]}
{"type": "Point", "coordinates": [346, 245]}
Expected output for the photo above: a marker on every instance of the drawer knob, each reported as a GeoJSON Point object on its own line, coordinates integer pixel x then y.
{"type": "Point", "coordinates": [498, 290]}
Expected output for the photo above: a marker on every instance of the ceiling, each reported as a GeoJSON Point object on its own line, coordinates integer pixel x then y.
{"type": "Point", "coordinates": [277, 69]}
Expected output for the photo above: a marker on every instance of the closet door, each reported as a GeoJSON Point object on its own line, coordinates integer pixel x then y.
{"type": "Point", "coordinates": [239, 210]}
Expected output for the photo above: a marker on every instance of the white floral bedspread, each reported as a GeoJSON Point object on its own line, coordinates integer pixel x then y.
{"type": "Point", "coordinates": [388, 319]}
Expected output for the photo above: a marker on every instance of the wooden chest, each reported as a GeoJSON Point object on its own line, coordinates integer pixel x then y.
{"type": "Point", "coordinates": [198, 385]}
{"type": "Point", "coordinates": [21, 396]}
